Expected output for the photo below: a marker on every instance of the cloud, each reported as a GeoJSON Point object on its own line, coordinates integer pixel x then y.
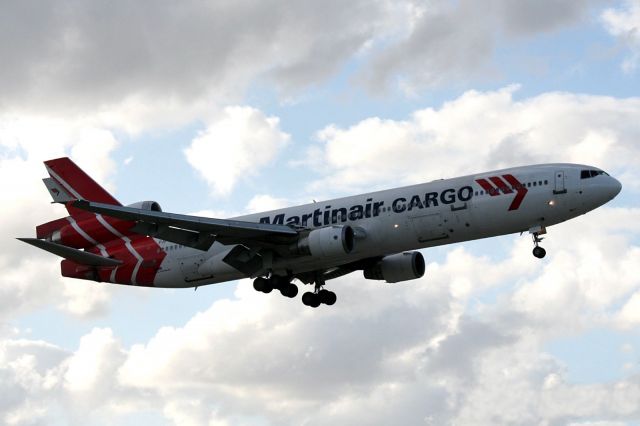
{"type": "Point", "coordinates": [31, 277]}
{"type": "Point", "coordinates": [480, 131]}
{"type": "Point", "coordinates": [266, 202]}
{"type": "Point", "coordinates": [235, 145]}
{"type": "Point", "coordinates": [446, 366]}
{"type": "Point", "coordinates": [624, 23]}
{"type": "Point", "coordinates": [149, 64]}
{"type": "Point", "coordinates": [455, 41]}
{"type": "Point", "coordinates": [163, 64]}
{"type": "Point", "coordinates": [427, 351]}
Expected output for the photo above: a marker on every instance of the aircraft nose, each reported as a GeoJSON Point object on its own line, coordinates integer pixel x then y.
{"type": "Point", "coordinates": [614, 187]}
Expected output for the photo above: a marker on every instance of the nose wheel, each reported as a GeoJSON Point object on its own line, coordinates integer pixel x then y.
{"type": "Point", "coordinates": [539, 252]}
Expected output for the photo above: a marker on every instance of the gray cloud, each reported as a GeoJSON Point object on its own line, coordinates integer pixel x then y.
{"type": "Point", "coordinates": [453, 42]}
{"type": "Point", "coordinates": [177, 60]}
{"type": "Point", "coordinates": [78, 54]}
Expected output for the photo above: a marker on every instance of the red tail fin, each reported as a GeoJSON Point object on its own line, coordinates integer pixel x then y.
{"type": "Point", "coordinates": [76, 182]}
{"type": "Point", "coordinates": [67, 177]}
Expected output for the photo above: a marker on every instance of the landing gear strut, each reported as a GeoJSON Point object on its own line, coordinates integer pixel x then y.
{"type": "Point", "coordinates": [266, 285]}
{"type": "Point", "coordinates": [538, 251]}
{"type": "Point", "coordinates": [319, 295]}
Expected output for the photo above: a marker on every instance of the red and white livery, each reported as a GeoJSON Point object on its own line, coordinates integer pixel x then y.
{"type": "Point", "coordinates": [377, 233]}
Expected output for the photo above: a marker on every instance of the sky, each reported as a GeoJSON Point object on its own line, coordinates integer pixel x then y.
{"type": "Point", "coordinates": [223, 108]}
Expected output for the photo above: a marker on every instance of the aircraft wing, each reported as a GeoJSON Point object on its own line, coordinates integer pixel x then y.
{"type": "Point", "coordinates": [195, 231]}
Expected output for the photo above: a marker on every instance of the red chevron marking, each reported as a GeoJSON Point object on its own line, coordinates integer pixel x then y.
{"type": "Point", "coordinates": [520, 189]}
{"type": "Point", "coordinates": [506, 188]}
{"type": "Point", "coordinates": [501, 185]}
{"type": "Point", "coordinates": [489, 189]}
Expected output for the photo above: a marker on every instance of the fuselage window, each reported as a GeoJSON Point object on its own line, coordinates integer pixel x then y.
{"type": "Point", "coordinates": [546, 182]}
{"type": "Point", "coordinates": [534, 183]}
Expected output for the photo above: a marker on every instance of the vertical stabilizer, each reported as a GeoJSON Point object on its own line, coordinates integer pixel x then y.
{"type": "Point", "coordinates": [75, 182]}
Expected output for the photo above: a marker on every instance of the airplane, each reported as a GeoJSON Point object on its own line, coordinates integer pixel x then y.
{"type": "Point", "coordinates": [377, 233]}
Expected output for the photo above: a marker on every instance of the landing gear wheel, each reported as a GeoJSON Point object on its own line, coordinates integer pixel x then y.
{"type": "Point", "coordinates": [311, 299]}
{"type": "Point", "coordinates": [539, 252]}
{"type": "Point", "coordinates": [327, 297]}
{"type": "Point", "coordinates": [289, 290]}
{"type": "Point", "coordinates": [262, 284]}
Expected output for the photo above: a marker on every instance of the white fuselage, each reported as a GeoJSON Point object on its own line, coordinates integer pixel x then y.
{"type": "Point", "coordinates": [414, 217]}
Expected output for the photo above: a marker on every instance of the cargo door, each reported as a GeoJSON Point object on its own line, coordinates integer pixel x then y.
{"type": "Point", "coordinates": [428, 227]}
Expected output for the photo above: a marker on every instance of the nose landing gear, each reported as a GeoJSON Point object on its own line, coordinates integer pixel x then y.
{"type": "Point", "coordinates": [538, 251]}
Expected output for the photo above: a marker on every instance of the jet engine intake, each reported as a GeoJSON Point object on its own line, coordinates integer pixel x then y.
{"type": "Point", "coordinates": [147, 205]}
{"type": "Point", "coordinates": [397, 267]}
{"type": "Point", "coordinates": [330, 241]}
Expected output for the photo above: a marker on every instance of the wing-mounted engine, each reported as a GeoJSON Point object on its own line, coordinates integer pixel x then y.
{"type": "Point", "coordinates": [330, 241]}
{"type": "Point", "coordinates": [147, 205]}
{"type": "Point", "coordinates": [397, 267]}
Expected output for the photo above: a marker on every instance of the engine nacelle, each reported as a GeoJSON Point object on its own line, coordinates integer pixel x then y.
{"type": "Point", "coordinates": [397, 267]}
{"type": "Point", "coordinates": [330, 241]}
{"type": "Point", "coordinates": [146, 205]}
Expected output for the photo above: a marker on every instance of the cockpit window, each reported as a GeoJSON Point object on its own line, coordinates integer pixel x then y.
{"type": "Point", "coordinates": [586, 174]}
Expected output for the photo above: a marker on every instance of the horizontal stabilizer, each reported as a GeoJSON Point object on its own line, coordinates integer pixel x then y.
{"type": "Point", "coordinates": [78, 256]}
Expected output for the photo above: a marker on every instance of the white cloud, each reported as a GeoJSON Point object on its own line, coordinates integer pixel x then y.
{"type": "Point", "coordinates": [235, 145]}
{"type": "Point", "coordinates": [480, 131]}
{"type": "Point", "coordinates": [31, 277]}
{"type": "Point", "coordinates": [409, 353]}
{"type": "Point", "coordinates": [265, 202]}
{"type": "Point", "coordinates": [624, 23]}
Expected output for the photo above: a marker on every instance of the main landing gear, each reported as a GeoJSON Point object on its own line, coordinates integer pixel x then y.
{"type": "Point", "coordinates": [313, 298]}
{"type": "Point", "coordinates": [266, 285]}
{"type": "Point", "coordinates": [319, 295]}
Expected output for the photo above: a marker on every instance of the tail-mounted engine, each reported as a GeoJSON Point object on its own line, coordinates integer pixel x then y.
{"type": "Point", "coordinates": [147, 205]}
{"type": "Point", "coordinates": [331, 241]}
{"type": "Point", "coordinates": [397, 267]}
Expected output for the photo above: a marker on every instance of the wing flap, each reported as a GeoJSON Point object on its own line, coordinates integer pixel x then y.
{"type": "Point", "coordinates": [78, 256]}
{"type": "Point", "coordinates": [197, 240]}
